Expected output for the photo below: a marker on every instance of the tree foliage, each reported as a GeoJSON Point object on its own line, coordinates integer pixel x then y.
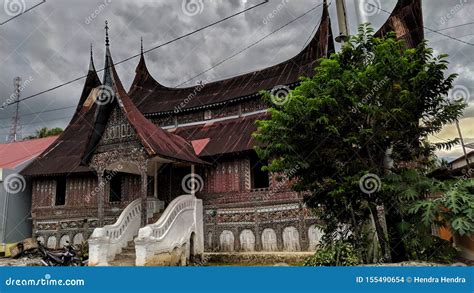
{"type": "Point", "coordinates": [45, 132]}
{"type": "Point", "coordinates": [364, 117]}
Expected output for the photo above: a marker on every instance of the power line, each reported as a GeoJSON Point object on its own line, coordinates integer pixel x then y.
{"type": "Point", "coordinates": [42, 121]}
{"type": "Point", "coordinates": [21, 13]}
{"type": "Point", "coordinates": [218, 64]}
{"type": "Point", "coordinates": [250, 46]}
{"type": "Point", "coordinates": [427, 28]}
{"type": "Point", "coordinates": [455, 26]}
{"type": "Point", "coordinates": [146, 51]}
{"type": "Point", "coordinates": [47, 111]}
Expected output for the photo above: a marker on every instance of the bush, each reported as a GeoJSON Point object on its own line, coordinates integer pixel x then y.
{"type": "Point", "coordinates": [430, 249]}
{"type": "Point", "coordinates": [339, 253]}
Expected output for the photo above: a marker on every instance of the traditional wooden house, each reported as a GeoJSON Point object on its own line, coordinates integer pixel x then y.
{"type": "Point", "coordinates": [159, 142]}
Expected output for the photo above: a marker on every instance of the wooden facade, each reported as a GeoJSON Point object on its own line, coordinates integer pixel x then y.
{"type": "Point", "coordinates": [151, 136]}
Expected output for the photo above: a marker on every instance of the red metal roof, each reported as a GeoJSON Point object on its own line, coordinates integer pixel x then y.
{"type": "Point", "coordinates": [15, 153]}
{"type": "Point", "coordinates": [224, 137]}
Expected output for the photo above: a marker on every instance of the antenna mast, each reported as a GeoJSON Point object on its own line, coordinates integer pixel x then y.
{"type": "Point", "coordinates": [16, 119]}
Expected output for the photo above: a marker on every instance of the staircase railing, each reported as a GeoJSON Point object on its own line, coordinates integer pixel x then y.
{"type": "Point", "coordinates": [176, 236]}
{"type": "Point", "coordinates": [106, 242]}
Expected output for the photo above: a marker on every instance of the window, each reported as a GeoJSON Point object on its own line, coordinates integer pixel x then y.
{"type": "Point", "coordinates": [116, 189]}
{"type": "Point", "coordinates": [208, 115]}
{"type": "Point", "coordinates": [60, 198]}
{"type": "Point", "coordinates": [260, 178]}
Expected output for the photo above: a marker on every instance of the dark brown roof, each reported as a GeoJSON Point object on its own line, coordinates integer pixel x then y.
{"type": "Point", "coordinates": [147, 96]}
{"type": "Point", "coordinates": [64, 156]}
{"type": "Point", "coordinates": [406, 21]}
{"type": "Point", "coordinates": [229, 136]}
{"type": "Point", "coordinates": [152, 97]}
{"type": "Point", "coordinates": [155, 140]}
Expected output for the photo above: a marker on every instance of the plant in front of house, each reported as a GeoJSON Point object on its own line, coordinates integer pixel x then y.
{"type": "Point", "coordinates": [358, 130]}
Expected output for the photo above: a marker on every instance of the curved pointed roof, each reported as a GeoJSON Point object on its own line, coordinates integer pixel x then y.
{"type": "Point", "coordinates": [406, 21]}
{"type": "Point", "coordinates": [152, 97]}
{"type": "Point", "coordinates": [65, 154]}
{"type": "Point", "coordinates": [155, 140]}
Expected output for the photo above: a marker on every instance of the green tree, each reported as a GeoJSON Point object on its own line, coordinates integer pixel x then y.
{"type": "Point", "coordinates": [45, 132]}
{"type": "Point", "coordinates": [365, 115]}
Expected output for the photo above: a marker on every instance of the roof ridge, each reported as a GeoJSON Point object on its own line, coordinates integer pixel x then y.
{"type": "Point", "coordinates": [143, 75]}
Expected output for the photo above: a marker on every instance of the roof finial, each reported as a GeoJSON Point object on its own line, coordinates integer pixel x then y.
{"type": "Point", "coordinates": [91, 63]}
{"type": "Point", "coordinates": [107, 43]}
{"type": "Point", "coordinates": [141, 46]}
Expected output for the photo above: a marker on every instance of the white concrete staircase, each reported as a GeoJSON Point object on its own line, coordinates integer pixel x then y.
{"type": "Point", "coordinates": [109, 241]}
{"type": "Point", "coordinates": [176, 235]}
{"type": "Point", "coordinates": [127, 257]}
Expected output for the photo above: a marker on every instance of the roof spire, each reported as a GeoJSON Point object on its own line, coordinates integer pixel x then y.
{"type": "Point", "coordinates": [91, 64]}
{"type": "Point", "coordinates": [141, 46]}
{"type": "Point", "coordinates": [107, 43]}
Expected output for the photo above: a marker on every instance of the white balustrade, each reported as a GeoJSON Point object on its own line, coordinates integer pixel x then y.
{"type": "Point", "coordinates": [180, 227]}
{"type": "Point", "coordinates": [106, 242]}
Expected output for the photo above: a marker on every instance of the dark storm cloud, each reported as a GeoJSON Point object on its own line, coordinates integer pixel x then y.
{"type": "Point", "coordinates": [50, 44]}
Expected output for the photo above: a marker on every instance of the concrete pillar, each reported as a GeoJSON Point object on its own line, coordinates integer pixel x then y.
{"type": "Point", "coordinates": [155, 181]}
{"type": "Point", "coordinates": [144, 206]}
{"type": "Point", "coordinates": [101, 198]}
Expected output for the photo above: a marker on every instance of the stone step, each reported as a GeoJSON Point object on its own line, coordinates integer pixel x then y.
{"type": "Point", "coordinates": [128, 249]}
{"type": "Point", "coordinates": [129, 262]}
{"type": "Point", "coordinates": [127, 257]}
{"type": "Point", "coordinates": [155, 218]}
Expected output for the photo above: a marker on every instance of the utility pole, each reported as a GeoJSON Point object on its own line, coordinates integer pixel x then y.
{"type": "Point", "coordinates": [16, 119]}
{"type": "Point", "coordinates": [462, 144]}
{"type": "Point", "coordinates": [342, 21]}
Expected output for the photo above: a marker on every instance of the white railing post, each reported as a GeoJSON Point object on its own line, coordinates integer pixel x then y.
{"type": "Point", "coordinates": [193, 180]}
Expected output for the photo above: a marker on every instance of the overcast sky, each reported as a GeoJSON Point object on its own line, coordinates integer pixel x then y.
{"type": "Point", "coordinates": [49, 45]}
